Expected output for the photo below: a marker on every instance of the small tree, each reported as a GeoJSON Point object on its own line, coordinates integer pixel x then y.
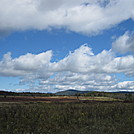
{"type": "Point", "coordinates": [77, 95]}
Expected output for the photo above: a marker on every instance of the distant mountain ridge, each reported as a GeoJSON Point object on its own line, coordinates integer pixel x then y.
{"type": "Point", "coordinates": [65, 92]}
{"type": "Point", "coordinates": [74, 92]}
{"type": "Point", "coordinates": [71, 92]}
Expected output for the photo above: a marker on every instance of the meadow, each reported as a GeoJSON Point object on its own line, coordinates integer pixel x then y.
{"type": "Point", "coordinates": [90, 117]}
{"type": "Point", "coordinates": [91, 113]}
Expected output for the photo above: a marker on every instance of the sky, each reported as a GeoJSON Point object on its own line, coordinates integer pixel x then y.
{"type": "Point", "coordinates": [56, 45]}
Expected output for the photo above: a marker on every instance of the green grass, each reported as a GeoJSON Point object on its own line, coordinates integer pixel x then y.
{"type": "Point", "coordinates": [67, 118]}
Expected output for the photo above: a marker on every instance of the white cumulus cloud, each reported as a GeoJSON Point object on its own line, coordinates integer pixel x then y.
{"type": "Point", "coordinates": [83, 16]}
{"type": "Point", "coordinates": [25, 64]}
{"type": "Point", "coordinates": [81, 69]}
{"type": "Point", "coordinates": [124, 43]}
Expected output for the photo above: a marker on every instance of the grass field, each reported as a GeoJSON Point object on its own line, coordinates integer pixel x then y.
{"type": "Point", "coordinates": [55, 99]}
{"type": "Point", "coordinates": [65, 115]}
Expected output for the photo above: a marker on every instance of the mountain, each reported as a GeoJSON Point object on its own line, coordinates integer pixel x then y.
{"type": "Point", "coordinates": [71, 92]}
{"type": "Point", "coordinates": [74, 92]}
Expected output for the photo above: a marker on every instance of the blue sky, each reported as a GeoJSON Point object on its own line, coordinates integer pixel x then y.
{"type": "Point", "coordinates": [49, 48]}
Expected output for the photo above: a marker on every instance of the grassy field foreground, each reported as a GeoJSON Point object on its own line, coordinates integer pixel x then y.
{"type": "Point", "coordinates": [67, 118]}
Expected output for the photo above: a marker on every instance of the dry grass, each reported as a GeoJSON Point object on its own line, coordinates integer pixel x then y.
{"type": "Point", "coordinates": [50, 99]}
{"type": "Point", "coordinates": [99, 98]}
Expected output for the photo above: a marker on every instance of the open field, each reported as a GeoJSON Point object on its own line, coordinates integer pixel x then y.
{"type": "Point", "coordinates": [91, 117]}
{"type": "Point", "coordinates": [66, 115]}
{"type": "Point", "coordinates": [54, 99]}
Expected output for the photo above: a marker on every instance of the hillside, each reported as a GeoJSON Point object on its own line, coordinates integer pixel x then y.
{"type": "Point", "coordinates": [71, 92]}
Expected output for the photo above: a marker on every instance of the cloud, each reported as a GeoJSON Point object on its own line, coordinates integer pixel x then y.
{"type": "Point", "coordinates": [124, 43]}
{"type": "Point", "coordinates": [83, 16]}
{"type": "Point", "coordinates": [83, 60]}
{"type": "Point", "coordinates": [25, 64]}
{"type": "Point", "coordinates": [69, 80]}
{"type": "Point", "coordinates": [121, 64]}
{"type": "Point", "coordinates": [76, 61]}
{"type": "Point", "coordinates": [122, 86]}
{"type": "Point", "coordinates": [80, 69]}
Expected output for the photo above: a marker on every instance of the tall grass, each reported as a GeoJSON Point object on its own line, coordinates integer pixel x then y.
{"type": "Point", "coordinates": [67, 118]}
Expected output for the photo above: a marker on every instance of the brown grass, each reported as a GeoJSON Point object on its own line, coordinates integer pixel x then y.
{"type": "Point", "coordinates": [54, 99]}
